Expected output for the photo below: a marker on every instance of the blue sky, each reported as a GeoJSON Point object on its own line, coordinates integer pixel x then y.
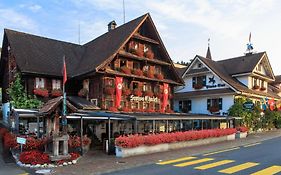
{"type": "Point", "coordinates": [184, 25]}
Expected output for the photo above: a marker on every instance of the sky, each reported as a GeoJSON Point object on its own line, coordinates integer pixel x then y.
{"type": "Point", "coordinates": [184, 25]}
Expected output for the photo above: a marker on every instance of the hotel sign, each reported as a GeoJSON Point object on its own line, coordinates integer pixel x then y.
{"type": "Point", "coordinates": [144, 99]}
{"type": "Point", "coordinates": [214, 86]}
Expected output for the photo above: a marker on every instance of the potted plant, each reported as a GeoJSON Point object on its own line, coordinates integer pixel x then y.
{"type": "Point", "coordinates": [41, 92]}
{"type": "Point", "coordinates": [83, 92]}
{"type": "Point", "coordinates": [125, 70]}
{"type": "Point", "coordinates": [56, 93]}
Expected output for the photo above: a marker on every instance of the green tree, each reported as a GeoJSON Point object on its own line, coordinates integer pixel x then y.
{"type": "Point", "coordinates": [18, 97]}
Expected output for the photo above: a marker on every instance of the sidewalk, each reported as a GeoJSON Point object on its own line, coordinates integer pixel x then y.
{"type": "Point", "coordinates": [98, 163]}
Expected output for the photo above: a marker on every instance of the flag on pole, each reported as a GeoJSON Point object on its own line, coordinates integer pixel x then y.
{"type": "Point", "coordinates": [64, 71]}
{"type": "Point", "coordinates": [250, 38]}
{"type": "Point", "coordinates": [118, 85]}
{"type": "Point", "coordinates": [165, 96]}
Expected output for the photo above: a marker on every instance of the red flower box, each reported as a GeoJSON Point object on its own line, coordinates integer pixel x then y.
{"type": "Point", "coordinates": [262, 88]}
{"type": "Point", "coordinates": [148, 93]}
{"type": "Point", "coordinates": [159, 76]}
{"type": "Point", "coordinates": [125, 70]}
{"type": "Point", "coordinates": [150, 110]}
{"type": "Point", "coordinates": [41, 92]}
{"type": "Point", "coordinates": [137, 92]}
{"type": "Point", "coordinates": [109, 90]}
{"type": "Point", "coordinates": [214, 109]}
{"type": "Point", "coordinates": [126, 92]}
{"type": "Point", "coordinates": [149, 74]}
{"type": "Point", "coordinates": [56, 93]}
{"type": "Point", "coordinates": [149, 54]}
{"type": "Point", "coordinates": [137, 72]}
{"type": "Point", "coordinates": [169, 111]}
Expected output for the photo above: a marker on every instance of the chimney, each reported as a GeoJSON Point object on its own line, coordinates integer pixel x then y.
{"type": "Point", "coordinates": [112, 25]}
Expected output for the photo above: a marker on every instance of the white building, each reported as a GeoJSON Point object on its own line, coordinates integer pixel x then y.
{"type": "Point", "coordinates": [211, 86]}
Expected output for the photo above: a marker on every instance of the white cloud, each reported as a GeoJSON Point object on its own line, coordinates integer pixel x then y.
{"type": "Point", "coordinates": [32, 7]}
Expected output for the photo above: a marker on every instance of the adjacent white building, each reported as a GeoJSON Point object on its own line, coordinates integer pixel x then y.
{"type": "Point", "coordinates": [211, 86]}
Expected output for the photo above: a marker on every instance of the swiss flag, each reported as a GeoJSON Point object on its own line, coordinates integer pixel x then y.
{"type": "Point", "coordinates": [165, 96]}
{"type": "Point", "coordinates": [118, 85]}
{"type": "Point", "coordinates": [64, 71]}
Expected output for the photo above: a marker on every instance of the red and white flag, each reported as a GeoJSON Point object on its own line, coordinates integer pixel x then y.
{"type": "Point", "coordinates": [165, 96]}
{"type": "Point", "coordinates": [118, 85]}
{"type": "Point", "coordinates": [250, 38]}
{"type": "Point", "coordinates": [64, 71]}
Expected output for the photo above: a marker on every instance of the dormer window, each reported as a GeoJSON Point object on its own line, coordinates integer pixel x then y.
{"type": "Point", "coordinates": [199, 65]}
{"type": "Point", "coordinates": [198, 82]}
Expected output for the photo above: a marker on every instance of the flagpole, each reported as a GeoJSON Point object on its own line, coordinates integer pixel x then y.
{"type": "Point", "coordinates": [64, 122]}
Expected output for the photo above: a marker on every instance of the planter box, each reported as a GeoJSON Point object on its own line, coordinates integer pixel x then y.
{"type": "Point", "coordinates": [241, 135]}
{"type": "Point", "coordinates": [143, 149]}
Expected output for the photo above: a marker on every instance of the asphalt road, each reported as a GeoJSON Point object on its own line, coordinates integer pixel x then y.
{"type": "Point", "coordinates": [260, 158]}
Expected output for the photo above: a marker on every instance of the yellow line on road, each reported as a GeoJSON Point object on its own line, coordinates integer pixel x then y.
{"type": "Point", "coordinates": [193, 162]}
{"type": "Point", "coordinates": [24, 174]}
{"type": "Point", "coordinates": [237, 168]}
{"type": "Point", "coordinates": [268, 171]}
{"type": "Point", "coordinates": [212, 165]}
{"type": "Point", "coordinates": [175, 160]}
{"type": "Point", "coordinates": [230, 149]}
{"type": "Point", "coordinates": [252, 144]}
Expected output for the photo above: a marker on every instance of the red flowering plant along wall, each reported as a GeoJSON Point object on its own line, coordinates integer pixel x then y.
{"type": "Point", "coordinates": [56, 93]}
{"type": "Point", "coordinates": [242, 129]}
{"type": "Point", "coordinates": [154, 139]}
{"type": "Point", "coordinates": [75, 141]}
{"type": "Point", "coordinates": [159, 95]}
{"type": "Point", "coordinates": [126, 109]}
{"type": "Point", "coordinates": [41, 92]}
{"type": "Point", "coordinates": [34, 157]}
{"type": "Point", "coordinates": [125, 70]}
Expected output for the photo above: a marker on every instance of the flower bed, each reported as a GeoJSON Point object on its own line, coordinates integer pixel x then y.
{"type": "Point", "coordinates": [242, 129]}
{"type": "Point", "coordinates": [154, 139]}
{"type": "Point", "coordinates": [75, 141]}
{"type": "Point", "coordinates": [138, 144]}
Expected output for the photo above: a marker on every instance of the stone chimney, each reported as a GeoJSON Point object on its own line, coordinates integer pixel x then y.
{"type": "Point", "coordinates": [112, 25]}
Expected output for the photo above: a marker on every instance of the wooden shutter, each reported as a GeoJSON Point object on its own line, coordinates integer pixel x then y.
{"type": "Point", "coordinates": [208, 104]}
{"type": "Point", "coordinates": [193, 81]}
{"type": "Point", "coordinates": [220, 103]}
{"type": "Point", "coordinates": [189, 105]}
{"type": "Point", "coordinates": [204, 80]}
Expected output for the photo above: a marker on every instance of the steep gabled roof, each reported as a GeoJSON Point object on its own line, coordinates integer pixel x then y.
{"type": "Point", "coordinates": [240, 65]}
{"type": "Point", "coordinates": [35, 54]}
{"type": "Point", "coordinates": [98, 51]}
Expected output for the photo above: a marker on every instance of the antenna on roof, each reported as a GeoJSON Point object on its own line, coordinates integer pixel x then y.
{"type": "Point", "coordinates": [249, 46]}
{"type": "Point", "coordinates": [124, 12]}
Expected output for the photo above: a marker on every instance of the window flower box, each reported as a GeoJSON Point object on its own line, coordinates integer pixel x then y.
{"type": "Point", "coordinates": [262, 88]}
{"type": "Point", "coordinates": [149, 54]}
{"type": "Point", "coordinates": [137, 92]}
{"type": "Point", "coordinates": [41, 92]}
{"type": "Point", "coordinates": [159, 76]}
{"type": "Point", "coordinates": [198, 86]}
{"type": "Point", "coordinates": [256, 87]}
{"type": "Point", "coordinates": [213, 109]}
{"type": "Point", "coordinates": [149, 74]}
{"type": "Point", "coordinates": [83, 92]}
{"type": "Point", "coordinates": [137, 72]}
{"type": "Point", "coordinates": [148, 93]}
{"type": "Point", "coordinates": [56, 93]}
{"type": "Point", "coordinates": [126, 91]}
{"type": "Point", "coordinates": [109, 90]}
{"type": "Point", "coordinates": [125, 70]}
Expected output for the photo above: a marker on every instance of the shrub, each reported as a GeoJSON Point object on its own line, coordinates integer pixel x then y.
{"type": "Point", "coordinates": [34, 157]}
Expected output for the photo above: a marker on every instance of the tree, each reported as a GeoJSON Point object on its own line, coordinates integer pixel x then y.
{"type": "Point", "coordinates": [18, 97]}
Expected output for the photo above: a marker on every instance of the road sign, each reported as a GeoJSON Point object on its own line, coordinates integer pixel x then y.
{"type": "Point", "coordinates": [21, 140]}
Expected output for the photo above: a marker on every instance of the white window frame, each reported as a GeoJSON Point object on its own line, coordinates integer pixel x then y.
{"type": "Point", "coordinates": [39, 83]}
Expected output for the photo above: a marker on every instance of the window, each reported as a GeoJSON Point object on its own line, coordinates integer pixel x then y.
{"type": "Point", "coordinates": [39, 83]}
{"type": "Point", "coordinates": [199, 81]}
{"type": "Point", "coordinates": [136, 65]}
{"type": "Point", "coordinates": [259, 67]}
{"type": "Point", "coordinates": [217, 103]}
{"type": "Point", "coordinates": [146, 87]}
{"type": "Point", "coordinates": [145, 48]}
{"type": "Point", "coordinates": [135, 85]}
{"type": "Point", "coordinates": [123, 63]}
{"type": "Point", "coordinates": [199, 65]}
{"type": "Point", "coordinates": [109, 82]}
{"type": "Point", "coordinates": [56, 84]}
{"type": "Point", "coordinates": [157, 69]}
{"type": "Point", "coordinates": [145, 68]}
{"type": "Point", "coordinates": [185, 106]}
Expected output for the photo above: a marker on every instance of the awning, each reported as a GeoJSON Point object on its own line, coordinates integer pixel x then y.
{"type": "Point", "coordinates": [26, 113]}
{"type": "Point", "coordinates": [82, 103]}
{"type": "Point", "coordinates": [99, 115]}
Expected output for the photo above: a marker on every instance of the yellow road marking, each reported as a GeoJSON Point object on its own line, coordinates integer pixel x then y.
{"type": "Point", "coordinates": [237, 168]}
{"type": "Point", "coordinates": [212, 165]}
{"type": "Point", "coordinates": [230, 149]}
{"type": "Point", "coordinates": [175, 160]}
{"type": "Point", "coordinates": [268, 171]}
{"type": "Point", "coordinates": [252, 144]}
{"type": "Point", "coordinates": [193, 162]}
{"type": "Point", "coordinates": [24, 174]}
